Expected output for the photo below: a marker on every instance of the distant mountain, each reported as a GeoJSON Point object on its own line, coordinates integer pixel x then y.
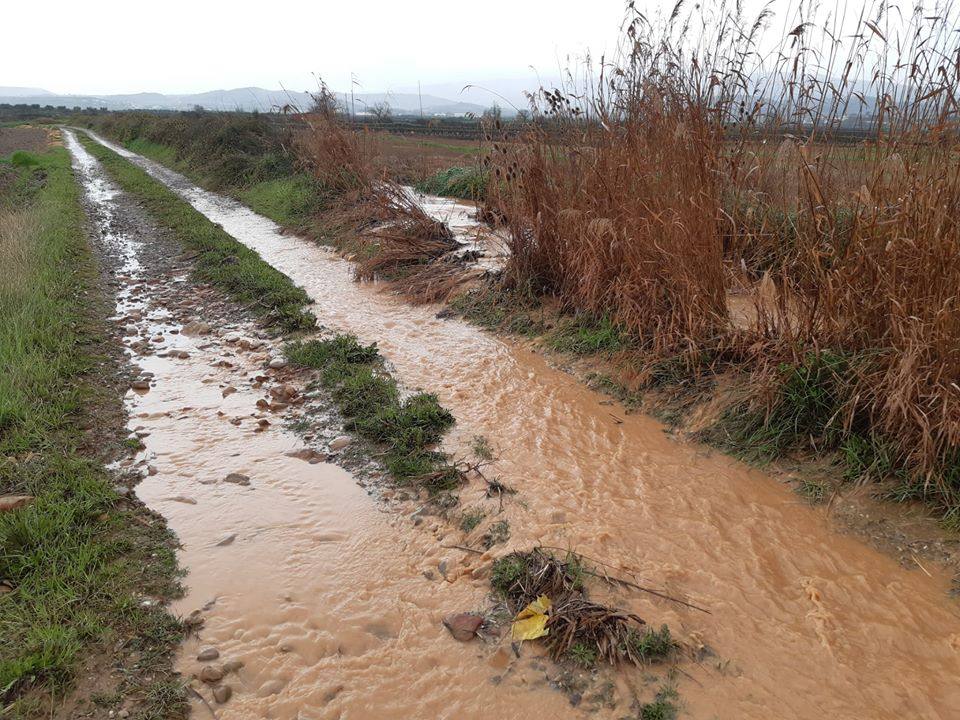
{"type": "Point", "coordinates": [408, 104]}
{"type": "Point", "coordinates": [23, 92]}
{"type": "Point", "coordinates": [509, 93]}
{"type": "Point", "coordinates": [248, 99]}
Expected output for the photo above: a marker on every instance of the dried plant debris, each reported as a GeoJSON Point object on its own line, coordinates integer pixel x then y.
{"type": "Point", "coordinates": [578, 628]}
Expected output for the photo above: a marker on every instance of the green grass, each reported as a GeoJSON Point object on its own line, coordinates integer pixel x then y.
{"type": "Point", "coordinates": [481, 448]}
{"type": "Point", "coordinates": [219, 150]}
{"type": "Point", "coordinates": [583, 655]}
{"type": "Point", "coordinates": [663, 707]}
{"type": "Point", "coordinates": [495, 309]}
{"type": "Point", "coordinates": [652, 644]}
{"type": "Point", "coordinates": [163, 154]}
{"type": "Point", "coordinates": [813, 489]}
{"type": "Point", "coordinates": [371, 402]}
{"type": "Point", "coordinates": [24, 159]}
{"type": "Point", "coordinates": [497, 534]}
{"type": "Point", "coordinates": [470, 519]}
{"type": "Point", "coordinates": [807, 414]}
{"type": "Point", "coordinates": [244, 156]}
{"type": "Point", "coordinates": [77, 560]}
{"type": "Point", "coordinates": [289, 201]}
{"type": "Point", "coordinates": [587, 335]}
{"type": "Point", "coordinates": [806, 406]}
{"type": "Point", "coordinates": [506, 571]}
{"type": "Point", "coordinates": [220, 259]}
{"type": "Point", "coordinates": [469, 183]}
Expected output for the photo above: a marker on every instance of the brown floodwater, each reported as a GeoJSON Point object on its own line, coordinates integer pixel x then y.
{"type": "Point", "coordinates": [323, 596]}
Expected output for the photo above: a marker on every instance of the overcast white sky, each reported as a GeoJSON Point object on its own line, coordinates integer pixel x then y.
{"type": "Point", "coordinates": [184, 46]}
{"type": "Point", "coordinates": [174, 46]}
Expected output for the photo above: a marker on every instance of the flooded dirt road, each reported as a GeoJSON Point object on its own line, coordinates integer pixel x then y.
{"type": "Point", "coordinates": [804, 623]}
{"type": "Point", "coordinates": [332, 604]}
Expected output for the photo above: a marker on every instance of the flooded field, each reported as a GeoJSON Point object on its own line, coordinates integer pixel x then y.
{"type": "Point", "coordinates": [332, 599]}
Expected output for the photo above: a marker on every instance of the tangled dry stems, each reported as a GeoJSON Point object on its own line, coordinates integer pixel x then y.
{"type": "Point", "coordinates": [392, 230]}
{"type": "Point", "coordinates": [612, 635]}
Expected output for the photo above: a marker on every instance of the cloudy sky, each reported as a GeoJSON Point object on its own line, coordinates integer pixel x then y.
{"type": "Point", "coordinates": [184, 46]}
{"type": "Point", "coordinates": [179, 46]}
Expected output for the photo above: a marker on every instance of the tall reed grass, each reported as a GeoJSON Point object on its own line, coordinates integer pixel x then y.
{"type": "Point", "coordinates": [818, 170]}
{"type": "Point", "coordinates": [391, 234]}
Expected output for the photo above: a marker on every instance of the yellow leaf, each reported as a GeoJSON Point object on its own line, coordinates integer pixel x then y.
{"type": "Point", "coordinates": [530, 622]}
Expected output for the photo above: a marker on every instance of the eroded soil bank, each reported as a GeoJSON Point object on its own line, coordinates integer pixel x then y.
{"type": "Point", "coordinates": [335, 606]}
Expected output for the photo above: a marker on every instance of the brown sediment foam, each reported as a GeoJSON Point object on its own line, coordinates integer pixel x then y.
{"type": "Point", "coordinates": [805, 623]}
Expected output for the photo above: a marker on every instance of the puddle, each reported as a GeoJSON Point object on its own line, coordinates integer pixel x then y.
{"type": "Point", "coordinates": [805, 623]}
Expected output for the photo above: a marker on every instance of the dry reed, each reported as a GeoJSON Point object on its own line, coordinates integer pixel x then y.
{"type": "Point", "coordinates": [821, 171]}
{"type": "Point", "coordinates": [392, 231]}
{"type": "Point", "coordinates": [818, 172]}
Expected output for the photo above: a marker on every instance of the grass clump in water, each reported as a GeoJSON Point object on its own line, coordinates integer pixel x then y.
{"type": "Point", "coordinates": [497, 534]}
{"type": "Point", "coordinates": [471, 519]}
{"type": "Point", "coordinates": [663, 707]}
{"type": "Point", "coordinates": [417, 422]}
{"type": "Point", "coordinates": [342, 349]}
{"type": "Point", "coordinates": [481, 448]}
{"type": "Point", "coordinates": [652, 644]}
{"type": "Point", "coordinates": [371, 402]}
{"type": "Point", "coordinates": [579, 628]}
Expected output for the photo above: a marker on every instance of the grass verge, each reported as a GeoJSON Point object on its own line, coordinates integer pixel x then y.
{"type": "Point", "coordinates": [368, 397]}
{"type": "Point", "coordinates": [290, 201]}
{"type": "Point", "coordinates": [221, 260]}
{"type": "Point", "coordinates": [77, 560]}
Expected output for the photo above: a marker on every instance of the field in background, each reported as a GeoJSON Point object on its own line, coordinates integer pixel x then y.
{"type": "Point", "coordinates": [413, 158]}
{"type": "Point", "coordinates": [25, 138]}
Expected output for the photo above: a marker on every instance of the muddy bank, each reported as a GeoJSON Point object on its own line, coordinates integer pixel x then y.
{"type": "Point", "coordinates": [805, 623]}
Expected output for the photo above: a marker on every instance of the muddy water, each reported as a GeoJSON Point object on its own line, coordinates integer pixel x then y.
{"type": "Point", "coordinates": [805, 623]}
{"type": "Point", "coordinates": [472, 237]}
{"type": "Point", "coordinates": [332, 604]}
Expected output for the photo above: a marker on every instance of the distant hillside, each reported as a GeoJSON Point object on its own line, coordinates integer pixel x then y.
{"type": "Point", "coordinates": [251, 98]}
{"type": "Point", "coordinates": [23, 92]}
